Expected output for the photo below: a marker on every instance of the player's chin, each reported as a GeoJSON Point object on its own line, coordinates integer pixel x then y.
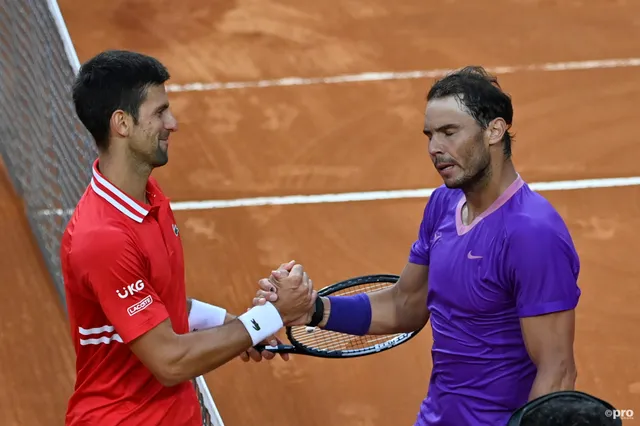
{"type": "Point", "coordinates": [453, 180]}
{"type": "Point", "coordinates": [161, 158]}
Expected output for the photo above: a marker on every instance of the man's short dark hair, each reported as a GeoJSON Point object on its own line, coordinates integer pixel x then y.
{"type": "Point", "coordinates": [565, 408]}
{"type": "Point", "coordinates": [480, 95]}
{"type": "Point", "coordinates": [112, 80]}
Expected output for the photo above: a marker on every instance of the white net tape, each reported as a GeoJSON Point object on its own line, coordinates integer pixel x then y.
{"type": "Point", "coordinates": [46, 150]}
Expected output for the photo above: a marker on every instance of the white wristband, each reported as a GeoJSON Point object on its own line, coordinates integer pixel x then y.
{"type": "Point", "coordinates": [204, 315]}
{"type": "Point", "coordinates": [261, 322]}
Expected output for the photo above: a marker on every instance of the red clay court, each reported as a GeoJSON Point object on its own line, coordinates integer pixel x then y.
{"type": "Point", "coordinates": [575, 119]}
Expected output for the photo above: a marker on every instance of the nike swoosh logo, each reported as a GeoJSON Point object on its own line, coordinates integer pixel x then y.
{"type": "Point", "coordinates": [470, 256]}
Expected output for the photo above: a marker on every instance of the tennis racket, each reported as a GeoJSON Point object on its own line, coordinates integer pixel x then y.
{"type": "Point", "coordinates": [314, 341]}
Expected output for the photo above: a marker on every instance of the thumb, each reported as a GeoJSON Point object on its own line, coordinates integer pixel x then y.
{"type": "Point", "coordinates": [280, 273]}
{"type": "Point", "coordinates": [298, 269]}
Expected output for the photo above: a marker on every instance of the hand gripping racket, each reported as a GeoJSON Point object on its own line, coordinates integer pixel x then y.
{"type": "Point", "coordinates": [313, 341]}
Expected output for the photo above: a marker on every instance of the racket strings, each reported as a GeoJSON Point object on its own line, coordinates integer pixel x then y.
{"type": "Point", "coordinates": [328, 341]}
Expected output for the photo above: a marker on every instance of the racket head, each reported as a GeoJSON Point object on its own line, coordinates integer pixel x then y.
{"type": "Point", "coordinates": [330, 344]}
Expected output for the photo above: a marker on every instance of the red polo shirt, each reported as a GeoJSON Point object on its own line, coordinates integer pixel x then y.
{"type": "Point", "coordinates": [123, 270]}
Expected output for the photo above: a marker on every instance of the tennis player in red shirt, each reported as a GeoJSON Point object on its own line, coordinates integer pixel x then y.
{"type": "Point", "coordinates": [138, 340]}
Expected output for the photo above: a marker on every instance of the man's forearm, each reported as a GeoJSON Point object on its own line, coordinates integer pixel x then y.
{"type": "Point", "coordinates": [390, 312]}
{"type": "Point", "coordinates": [552, 379]}
{"type": "Point", "coordinates": [399, 308]}
{"type": "Point", "coordinates": [206, 350]}
{"type": "Point", "coordinates": [383, 313]}
{"type": "Point", "coordinates": [199, 352]}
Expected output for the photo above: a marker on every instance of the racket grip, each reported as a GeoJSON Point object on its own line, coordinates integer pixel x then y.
{"type": "Point", "coordinates": [261, 348]}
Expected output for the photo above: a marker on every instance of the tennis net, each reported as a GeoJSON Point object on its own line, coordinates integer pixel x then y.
{"type": "Point", "coordinates": [46, 150]}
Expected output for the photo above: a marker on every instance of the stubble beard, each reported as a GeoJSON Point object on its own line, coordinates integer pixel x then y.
{"type": "Point", "coordinates": [477, 174]}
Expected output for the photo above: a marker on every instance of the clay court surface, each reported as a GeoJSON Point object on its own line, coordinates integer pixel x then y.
{"type": "Point", "coordinates": [349, 137]}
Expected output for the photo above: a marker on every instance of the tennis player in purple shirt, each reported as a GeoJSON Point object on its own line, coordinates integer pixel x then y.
{"type": "Point", "coordinates": [493, 266]}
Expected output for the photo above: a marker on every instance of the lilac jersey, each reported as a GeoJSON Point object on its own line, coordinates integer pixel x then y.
{"type": "Point", "coordinates": [515, 260]}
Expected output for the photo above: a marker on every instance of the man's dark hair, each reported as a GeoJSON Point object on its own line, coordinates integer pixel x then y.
{"type": "Point", "coordinates": [566, 408]}
{"type": "Point", "coordinates": [568, 412]}
{"type": "Point", "coordinates": [112, 80]}
{"type": "Point", "coordinates": [480, 95]}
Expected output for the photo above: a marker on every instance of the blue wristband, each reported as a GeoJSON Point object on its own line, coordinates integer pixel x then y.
{"type": "Point", "coordinates": [350, 314]}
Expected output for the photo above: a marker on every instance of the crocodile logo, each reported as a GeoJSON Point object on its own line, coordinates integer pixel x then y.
{"type": "Point", "coordinates": [256, 326]}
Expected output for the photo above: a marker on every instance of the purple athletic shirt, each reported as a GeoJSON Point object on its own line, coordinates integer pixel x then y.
{"type": "Point", "coordinates": [515, 260]}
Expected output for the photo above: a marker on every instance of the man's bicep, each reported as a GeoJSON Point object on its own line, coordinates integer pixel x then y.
{"type": "Point", "coordinates": [401, 307]}
{"type": "Point", "coordinates": [156, 348]}
{"type": "Point", "coordinates": [411, 295]}
{"type": "Point", "coordinates": [414, 279]}
{"type": "Point", "coordinates": [549, 338]}
{"type": "Point", "coordinates": [121, 284]}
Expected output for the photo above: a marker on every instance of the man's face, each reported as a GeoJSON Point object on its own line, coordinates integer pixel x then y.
{"type": "Point", "coordinates": [457, 144]}
{"type": "Point", "coordinates": [150, 138]}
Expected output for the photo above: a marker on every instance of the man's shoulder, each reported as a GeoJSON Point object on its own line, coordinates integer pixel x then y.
{"type": "Point", "coordinates": [443, 199]}
{"type": "Point", "coordinates": [86, 236]}
{"type": "Point", "coordinates": [533, 219]}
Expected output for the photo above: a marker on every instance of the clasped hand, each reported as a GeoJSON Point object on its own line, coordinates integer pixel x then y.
{"type": "Point", "coordinates": [291, 291]}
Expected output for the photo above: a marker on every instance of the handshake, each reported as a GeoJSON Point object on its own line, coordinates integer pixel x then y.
{"type": "Point", "coordinates": [290, 290]}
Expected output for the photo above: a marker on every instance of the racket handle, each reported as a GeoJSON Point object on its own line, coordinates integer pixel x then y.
{"type": "Point", "coordinates": [261, 348]}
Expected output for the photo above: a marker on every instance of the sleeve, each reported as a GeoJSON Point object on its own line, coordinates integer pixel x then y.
{"type": "Point", "coordinates": [419, 253]}
{"type": "Point", "coordinates": [420, 249]}
{"type": "Point", "coordinates": [543, 267]}
{"type": "Point", "coordinates": [116, 272]}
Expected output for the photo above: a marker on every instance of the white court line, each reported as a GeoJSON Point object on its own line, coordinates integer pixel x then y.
{"type": "Point", "coordinates": [390, 75]}
{"type": "Point", "coordinates": [345, 197]}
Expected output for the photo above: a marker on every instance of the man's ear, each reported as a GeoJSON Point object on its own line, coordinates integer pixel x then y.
{"type": "Point", "coordinates": [496, 130]}
{"type": "Point", "coordinates": [121, 124]}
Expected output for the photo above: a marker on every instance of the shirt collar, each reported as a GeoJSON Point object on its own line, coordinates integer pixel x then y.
{"type": "Point", "coordinates": [131, 208]}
